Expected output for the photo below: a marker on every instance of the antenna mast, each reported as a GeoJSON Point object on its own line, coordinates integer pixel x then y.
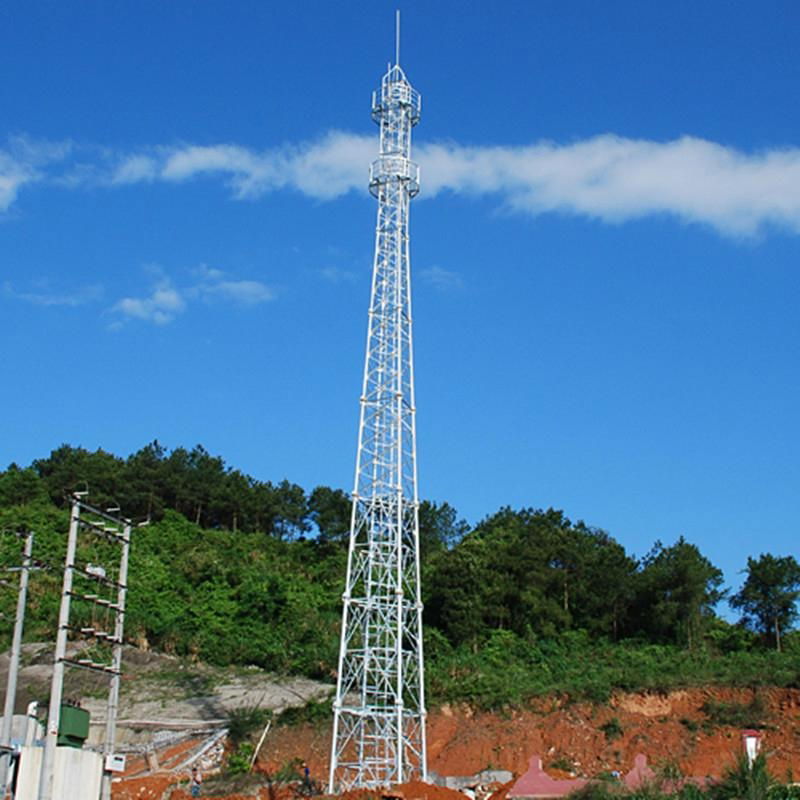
{"type": "Point", "coordinates": [379, 710]}
{"type": "Point", "coordinates": [397, 37]}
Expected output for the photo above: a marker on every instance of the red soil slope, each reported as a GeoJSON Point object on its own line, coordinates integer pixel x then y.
{"type": "Point", "coordinates": [668, 728]}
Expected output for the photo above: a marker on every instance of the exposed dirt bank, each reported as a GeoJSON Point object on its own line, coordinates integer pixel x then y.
{"type": "Point", "coordinates": [572, 738]}
{"type": "Point", "coordinates": [669, 728]}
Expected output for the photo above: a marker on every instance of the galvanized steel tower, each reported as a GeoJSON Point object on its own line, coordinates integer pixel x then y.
{"type": "Point", "coordinates": [379, 710]}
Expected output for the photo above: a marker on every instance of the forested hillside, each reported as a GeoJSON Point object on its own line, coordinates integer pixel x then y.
{"type": "Point", "coordinates": [235, 570]}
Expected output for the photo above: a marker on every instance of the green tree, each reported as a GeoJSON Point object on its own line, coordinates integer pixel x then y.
{"type": "Point", "coordinates": [237, 491]}
{"type": "Point", "coordinates": [531, 572]}
{"type": "Point", "coordinates": [597, 579]}
{"type": "Point", "coordinates": [21, 486]}
{"type": "Point", "coordinates": [439, 528]}
{"type": "Point", "coordinates": [292, 510]}
{"type": "Point", "coordinates": [330, 512]}
{"type": "Point", "coordinates": [455, 599]}
{"type": "Point", "coordinates": [144, 490]}
{"type": "Point", "coordinates": [678, 589]}
{"type": "Point", "coordinates": [69, 468]}
{"type": "Point", "coordinates": [768, 598]}
{"type": "Point", "coordinates": [206, 480]}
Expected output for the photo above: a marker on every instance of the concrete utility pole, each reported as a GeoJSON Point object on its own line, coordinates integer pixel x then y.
{"type": "Point", "coordinates": [112, 707]}
{"type": "Point", "coordinates": [13, 666]}
{"type": "Point", "coordinates": [57, 683]}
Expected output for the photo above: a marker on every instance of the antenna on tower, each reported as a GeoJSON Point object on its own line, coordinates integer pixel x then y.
{"type": "Point", "coordinates": [397, 38]}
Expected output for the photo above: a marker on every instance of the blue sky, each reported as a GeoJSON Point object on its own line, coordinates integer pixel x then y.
{"type": "Point", "coordinates": [605, 248]}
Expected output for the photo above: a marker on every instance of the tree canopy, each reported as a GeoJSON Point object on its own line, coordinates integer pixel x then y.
{"type": "Point", "coordinates": [238, 570]}
{"type": "Point", "coordinates": [769, 596]}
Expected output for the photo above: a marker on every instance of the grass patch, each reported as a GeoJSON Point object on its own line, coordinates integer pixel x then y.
{"type": "Point", "coordinates": [737, 715]}
{"type": "Point", "coordinates": [575, 666]}
{"type": "Point", "coordinates": [315, 712]}
{"type": "Point", "coordinates": [239, 784]}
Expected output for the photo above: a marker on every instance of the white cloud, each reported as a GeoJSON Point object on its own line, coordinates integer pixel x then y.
{"type": "Point", "coordinates": [215, 283]}
{"type": "Point", "coordinates": [161, 306]}
{"type": "Point", "coordinates": [325, 169]}
{"type": "Point", "coordinates": [249, 174]}
{"type": "Point", "coordinates": [22, 162]}
{"type": "Point", "coordinates": [206, 273]}
{"type": "Point", "coordinates": [333, 166]}
{"type": "Point", "coordinates": [247, 293]}
{"type": "Point", "coordinates": [12, 177]}
{"type": "Point", "coordinates": [135, 169]}
{"type": "Point", "coordinates": [607, 177]}
{"type": "Point", "coordinates": [616, 179]}
{"type": "Point", "coordinates": [43, 297]}
{"type": "Point", "coordinates": [166, 301]}
{"type": "Point", "coordinates": [337, 275]}
{"type": "Point", "coordinates": [441, 278]}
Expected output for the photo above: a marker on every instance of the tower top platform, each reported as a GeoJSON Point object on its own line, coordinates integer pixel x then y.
{"type": "Point", "coordinates": [396, 95]}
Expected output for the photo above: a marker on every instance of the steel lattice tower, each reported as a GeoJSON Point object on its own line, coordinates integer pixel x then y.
{"type": "Point", "coordinates": [379, 711]}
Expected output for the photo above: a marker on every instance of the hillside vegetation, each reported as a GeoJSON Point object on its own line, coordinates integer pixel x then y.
{"type": "Point", "coordinates": [233, 570]}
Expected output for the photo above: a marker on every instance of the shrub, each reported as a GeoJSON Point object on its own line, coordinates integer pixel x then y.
{"type": "Point", "coordinates": [596, 790]}
{"type": "Point", "coordinates": [612, 729]}
{"type": "Point", "coordinates": [738, 715]}
{"type": "Point", "coordinates": [244, 721]}
{"type": "Point", "coordinates": [239, 759]}
{"type": "Point", "coordinates": [290, 771]}
{"type": "Point", "coordinates": [315, 712]}
{"type": "Point", "coordinates": [563, 763]}
{"type": "Point", "coordinates": [745, 782]}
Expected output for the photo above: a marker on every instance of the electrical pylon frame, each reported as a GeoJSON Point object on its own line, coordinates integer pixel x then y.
{"type": "Point", "coordinates": [379, 709]}
{"type": "Point", "coordinates": [99, 586]}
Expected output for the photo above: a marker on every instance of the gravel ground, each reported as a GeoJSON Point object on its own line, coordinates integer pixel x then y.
{"type": "Point", "coordinates": [160, 692]}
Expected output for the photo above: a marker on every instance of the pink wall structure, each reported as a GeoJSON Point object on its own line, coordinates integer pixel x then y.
{"type": "Point", "coordinates": [640, 775]}
{"type": "Point", "coordinates": [537, 783]}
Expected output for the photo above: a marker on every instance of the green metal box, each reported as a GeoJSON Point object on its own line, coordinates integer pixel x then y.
{"type": "Point", "coordinates": [73, 726]}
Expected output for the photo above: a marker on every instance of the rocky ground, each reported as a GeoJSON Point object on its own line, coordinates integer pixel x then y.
{"type": "Point", "coordinates": [160, 692]}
